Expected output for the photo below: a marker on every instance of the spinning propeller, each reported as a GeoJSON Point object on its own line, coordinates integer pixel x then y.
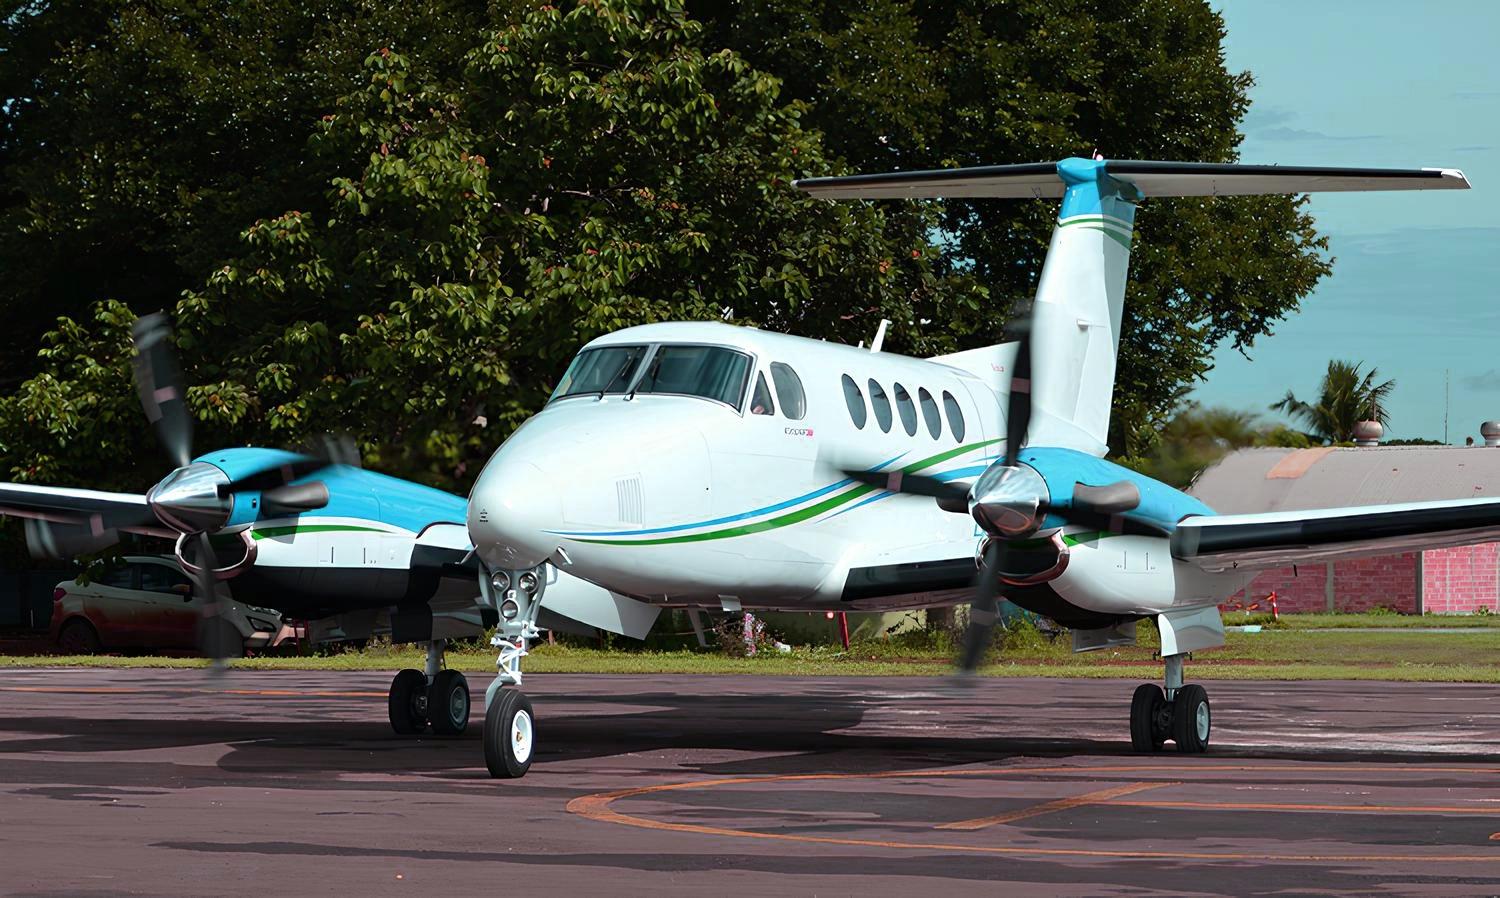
{"type": "Point", "coordinates": [1012, 503]}
{"type": "Point", "coordinates": [193, 501]}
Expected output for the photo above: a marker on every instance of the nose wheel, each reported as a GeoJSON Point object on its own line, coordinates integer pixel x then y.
{"type": "Point", "coordinates": [509, 734]}
{"type": "Point", "coordinates": [1180, 713]}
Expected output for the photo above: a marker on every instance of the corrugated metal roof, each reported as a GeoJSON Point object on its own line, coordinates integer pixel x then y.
{"type": "Point", "coordinates": [1268, 479]}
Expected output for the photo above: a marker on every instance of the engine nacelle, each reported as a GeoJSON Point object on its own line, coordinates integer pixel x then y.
{"type": "Point", "coordinates": [1128, 574]}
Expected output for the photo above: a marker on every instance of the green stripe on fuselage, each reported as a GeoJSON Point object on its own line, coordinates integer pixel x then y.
{"type": "Point", "coordinates": [792, 517]}
{"type": "Point", "coordinates": [273, 532]}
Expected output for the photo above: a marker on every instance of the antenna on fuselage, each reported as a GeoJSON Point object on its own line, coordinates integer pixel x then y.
{"type": "Point", "coordinates": [879, 340]}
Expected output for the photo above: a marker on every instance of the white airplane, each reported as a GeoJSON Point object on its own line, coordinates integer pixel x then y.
{"type": "Point", "coordinates": [352, 551]}
{"type": "Point", "coordinates": [688, 464]}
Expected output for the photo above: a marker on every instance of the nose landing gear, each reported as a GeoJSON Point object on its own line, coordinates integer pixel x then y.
{"type": "Point", "coordinates": [509, 722]}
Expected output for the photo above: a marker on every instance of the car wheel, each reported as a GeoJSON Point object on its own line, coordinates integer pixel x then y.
{"type": "Point", "coordinates": [78, 637]}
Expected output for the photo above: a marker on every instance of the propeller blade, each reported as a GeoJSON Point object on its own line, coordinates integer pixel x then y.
{"type": "Point", "coordinates": [277, 475]}
{"type": "Point", "coordinates": [945, 491]}
{"type": "Point", "coordinates": [1018, 410]}
{"type": "Point", "coordinates": [53, 541]}
{"type": "Point", "coordinates": [214, 638]}
{"type": "Point", "coordinates": [294, 499]}
{"type": "Point", "coordinates": [158, 379]}
{"type": "Point", "coordinates": [984, 611]}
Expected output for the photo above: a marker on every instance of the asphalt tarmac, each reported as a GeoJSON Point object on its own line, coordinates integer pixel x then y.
{"type": "Point", "coordinates": [289, 783]}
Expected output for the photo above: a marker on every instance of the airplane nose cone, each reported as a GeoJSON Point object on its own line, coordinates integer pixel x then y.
{"type": "Point", "coordinates": [188, 499]}
{"type": "Point", "coordinates": [512, 508]}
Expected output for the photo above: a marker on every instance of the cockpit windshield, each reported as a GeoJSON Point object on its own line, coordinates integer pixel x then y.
{"type": "Point", "coordinates": [607, 369]}
{"type": "Point", "coordinates": [712, 372]}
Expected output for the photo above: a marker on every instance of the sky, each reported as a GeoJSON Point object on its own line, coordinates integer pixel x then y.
{"type": "Point", "coordinates": [1415, 288]}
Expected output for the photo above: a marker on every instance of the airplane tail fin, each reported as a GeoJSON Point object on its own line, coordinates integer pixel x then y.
{"type": "Point", "coordinates": [1080, 295]}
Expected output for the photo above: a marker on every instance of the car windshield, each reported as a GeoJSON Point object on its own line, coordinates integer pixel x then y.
{"type": "Point", "coordinates": [607, 369]}
{"type": "Point", "coordinates": [712, 372]}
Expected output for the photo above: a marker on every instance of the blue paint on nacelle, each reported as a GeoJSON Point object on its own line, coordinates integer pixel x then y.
{"type": "Point", "coordinates": [1062, 469]}
{"type": "Point", "coordinates": [352, 492]}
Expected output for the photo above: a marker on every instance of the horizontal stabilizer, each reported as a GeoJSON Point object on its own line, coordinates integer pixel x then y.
{"type": "Point", "coordinates": [1278, 539]}
{"type": "Point", "coordinates": [1040, 180]}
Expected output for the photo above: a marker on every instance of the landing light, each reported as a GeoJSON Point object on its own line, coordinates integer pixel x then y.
{"type": "Point", "coordinates": [509, 609]}
{"type": "Point", "coordinates": [528, 582]}
{"type": "Point", "coordinates": [500, 581]}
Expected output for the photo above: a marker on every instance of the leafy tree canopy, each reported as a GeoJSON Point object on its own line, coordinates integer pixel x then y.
{"type": "Point", "coordinates": [1196, 437]}
{"type": "Point", "coordinates": [401, 219]}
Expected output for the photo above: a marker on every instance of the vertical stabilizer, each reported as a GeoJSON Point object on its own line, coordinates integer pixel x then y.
{"type": "Point", "coordinates": [1079, 301]}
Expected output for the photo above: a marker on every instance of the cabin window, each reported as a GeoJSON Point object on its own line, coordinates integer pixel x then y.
{"type": "Point", "coordinates": [789, 391]}
{"type": "Point", "coordinates": [760, 400]}
{"type": "Point", "coordinates": [712, 372]}
{"type": "Point", "coordinates": [881, 406]}
{"type": "Point", "coordinates": [907, 409]}
{"type": "Point", "coordinates": [606, 369]}
{"type": "Point", "coordinates": [856, 402]}
{"type": "Point", "coordinates": [955, 416]}
{"type": "Point", "coordinates": [930, 415]}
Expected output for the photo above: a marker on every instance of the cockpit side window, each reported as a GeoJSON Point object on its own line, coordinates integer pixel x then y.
{"type": "Point", "coordinates": [789, 391]}
{"type": "Point", "coordinates": [930, 415]}
{"type": "Point", "coordinates": [856, 402]}
{"type": "Point", "coordinates": [955, 416]}
{"type": "Point", "coordinates": [760, 400]}
{"type": "Point", "coordinates": [605, 369]}
{"type": "Point", "coordinates": [907, 409]}
{"type": "Point", "coordinates": [881, 405]}
{"type": "Point", "coordinates": [712, 372]}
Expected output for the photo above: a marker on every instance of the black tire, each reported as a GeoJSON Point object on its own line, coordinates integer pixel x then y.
{"type": "Point", "coordinates": [78, 637]}
{"type": "Point", "coordinates": [509, 735]}
{"type": "Point", "coordinates": [408, 702]}
{"type": "Point", "coordinates": [1191, 720]}
{"type": "Point", "coordinates": [448, 703]}
{"type": "Point", "coordinates": [1145, 711]}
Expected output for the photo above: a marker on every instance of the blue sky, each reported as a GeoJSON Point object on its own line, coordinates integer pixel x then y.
{"type": "Point", "coordinates": [1414, 286]}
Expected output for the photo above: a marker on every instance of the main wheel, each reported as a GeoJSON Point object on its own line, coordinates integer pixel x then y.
{"type": "Point", "coordinates": [408, 702]}
{"type": "Point", "coordinates": [1146, 732]}
{"type": "Point", "coordinates": [1191, 720]}
{"type": "Point", "coordinates": [448, 703]}
{"type": "Point", "coordinates": [78, 637]}
{"type": "Point", "coordinates": [509, 735]}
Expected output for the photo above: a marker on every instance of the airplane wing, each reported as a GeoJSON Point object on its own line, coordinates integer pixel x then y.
{"type": "Point", "coordinates": [65, 505]}
{"type": "Point", "coordinates": [1278, 539]}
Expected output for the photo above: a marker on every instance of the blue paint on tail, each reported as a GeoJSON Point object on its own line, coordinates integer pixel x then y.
{"type": "Point", "coordinates": [1091, 191]}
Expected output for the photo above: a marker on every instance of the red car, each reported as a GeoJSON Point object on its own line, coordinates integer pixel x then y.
{"type": "Point", "coordinates": [148, 602]}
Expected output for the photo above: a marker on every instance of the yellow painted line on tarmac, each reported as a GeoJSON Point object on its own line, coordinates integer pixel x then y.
{"type": "Point", "coordinates": [599, 807]}
{"type": "Point", "coordinates": [1102, 796]}
{"type": "Point", "coordinates": [1167, 804]}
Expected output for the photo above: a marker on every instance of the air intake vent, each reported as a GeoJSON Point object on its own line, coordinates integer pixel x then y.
{"type": "Point", "coordinates": [628, 493]}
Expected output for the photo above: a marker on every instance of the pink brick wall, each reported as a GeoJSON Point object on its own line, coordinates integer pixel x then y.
{"type": "Point", "coordinates": [1462, 580]}
{"type": "Point", "coordinates": [1454, 581]}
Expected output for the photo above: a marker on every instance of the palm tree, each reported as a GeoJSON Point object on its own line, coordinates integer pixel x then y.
{"type": "Point", "coordinates": [1345, 398]}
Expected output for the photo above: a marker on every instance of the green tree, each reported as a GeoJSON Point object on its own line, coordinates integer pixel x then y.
{"type": "Point", "coordinates": [927, 83]}
{"type": "Point", "coordinates": [1345, 398]}
{"type": "Point", "coordinates": [585, 169]}
{"type": "Point", "coordinates": [138, 140]}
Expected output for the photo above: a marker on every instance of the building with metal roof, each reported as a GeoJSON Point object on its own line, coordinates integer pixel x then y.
{"type": "Point", "coordinates": [1435, 581]}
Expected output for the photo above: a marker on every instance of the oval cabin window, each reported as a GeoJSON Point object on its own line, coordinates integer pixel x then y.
{"type": "Point", "coordinates": [856, 402]}
{"type": "Point", "coordinates": [955, 416]}
{"type": "Point", "coordinates": [930, 415]}
{"type": "Point", "coordinates": [907, 410]}
{"type": "Point", "coordinates": [789, 391]}
{"type": "Point", "coordinates": [881, 405]}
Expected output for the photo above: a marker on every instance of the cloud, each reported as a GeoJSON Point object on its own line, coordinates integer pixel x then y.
{"type": "Point", "coordinates": [1302, 134]}
{"type": "Point", "coordinates": [1267, 116]}
{"type": "Point", "coordinates": [1472, 149]}
{"type": "Point", "coordinates": [1489, 380]}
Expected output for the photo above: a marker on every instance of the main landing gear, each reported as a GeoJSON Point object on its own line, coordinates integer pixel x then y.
{"type": "Point", "coordinates": [435, 697]}
{"type": "Point", "coordinates": [1180, 714]}
{"type": "Point", "coordinates": [509, 722]}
